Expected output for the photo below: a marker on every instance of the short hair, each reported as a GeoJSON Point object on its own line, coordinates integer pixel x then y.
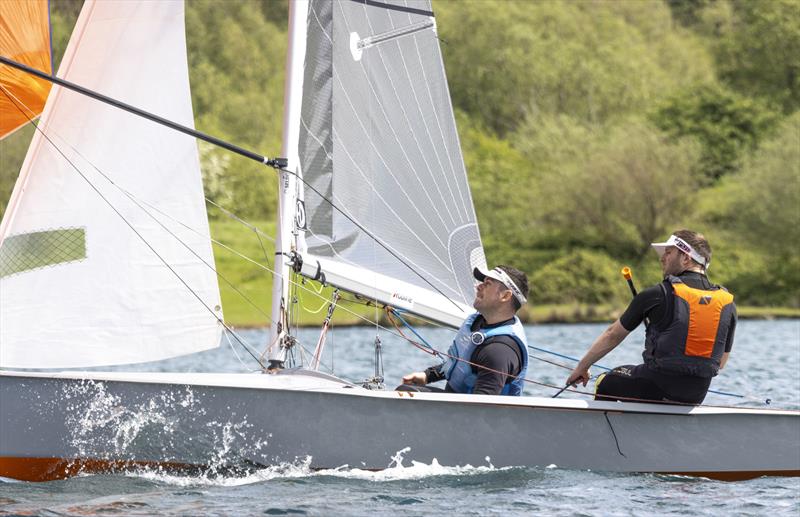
{"type": "Point", "coordinates": [521, 281]}
{"type": "Point", "coordinates": [697, 241]}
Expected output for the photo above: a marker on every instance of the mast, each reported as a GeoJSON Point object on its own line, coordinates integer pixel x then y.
{"type": "Point", "coordinates": [287, 187]}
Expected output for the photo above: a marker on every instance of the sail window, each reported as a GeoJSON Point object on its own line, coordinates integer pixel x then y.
{"type": "Point", "coordinates": [29, 251]}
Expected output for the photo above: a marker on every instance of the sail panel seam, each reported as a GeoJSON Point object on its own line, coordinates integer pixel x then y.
{"type": "Point", "coordinates": [413, 135]}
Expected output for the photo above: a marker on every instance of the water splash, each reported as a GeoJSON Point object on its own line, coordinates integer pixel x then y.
{"type": "Point", "coordinates": [168, 425]}
{"type": "Point", "coordinates": [301, 468]}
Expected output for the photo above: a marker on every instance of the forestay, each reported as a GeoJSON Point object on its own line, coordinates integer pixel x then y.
{"type": "Point", "coordinates": [91, 248]}
{"type": "Point", "coordinates": [378, 138]}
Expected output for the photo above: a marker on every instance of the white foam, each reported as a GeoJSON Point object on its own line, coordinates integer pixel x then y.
{"type": "Point", "coordinates": [396, 471]}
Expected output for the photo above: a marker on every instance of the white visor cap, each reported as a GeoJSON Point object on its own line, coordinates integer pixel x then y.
{"type": "Point", "coordinates": [502, 277]}
{"type": "Point", "coordinates": [683, 246]}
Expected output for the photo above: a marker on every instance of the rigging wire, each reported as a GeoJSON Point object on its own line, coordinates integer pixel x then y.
{"type": "Point", "coordinates": [240, 220]}
{"type": "Point", "coordinates": [427, 348]}
{"type": "Point", "coordinates": [140, 202]}
{"type": "Point", "coordinates": [235, 352]}
{"type": "Point", "coordinates": [277, 163]}
{"type": "Point", "coordinates": [716, 392]}
{"type": "Point", "coordinates": [127, 223]}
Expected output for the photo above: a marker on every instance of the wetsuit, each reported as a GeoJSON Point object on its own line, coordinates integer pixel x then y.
{"type": "Point", "coordinates": [498, 353]}
{"type": "Point", "coordinates": [656, 305]}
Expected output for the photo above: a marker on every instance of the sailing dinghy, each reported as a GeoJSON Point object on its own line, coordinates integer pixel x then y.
{"type": "Point", "coordinates": [106, 259]}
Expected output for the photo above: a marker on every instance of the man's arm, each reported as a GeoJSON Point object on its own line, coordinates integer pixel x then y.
{"type": "Point", "coordinates": [430, 375]}
{"type": "Point", "coordinates": [606, 342]}
{"type": "Point", "coordinates": [729, 341]}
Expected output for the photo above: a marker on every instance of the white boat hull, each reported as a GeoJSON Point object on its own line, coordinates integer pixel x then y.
{"type": "Point", "coordinates": [57, 424]}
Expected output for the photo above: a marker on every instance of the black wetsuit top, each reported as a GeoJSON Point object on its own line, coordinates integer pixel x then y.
{"type": "Point", "coordinates": [500, 353]}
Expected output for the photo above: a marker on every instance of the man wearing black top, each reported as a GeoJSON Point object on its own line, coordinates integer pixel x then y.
{"type": "Point", "coordinates": [690, 326]}
{"type": "Point", "coordinates": [489, 354]}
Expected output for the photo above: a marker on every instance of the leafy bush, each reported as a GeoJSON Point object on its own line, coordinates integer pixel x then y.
{"type": "Point", "coordinates": [727, 125]}
{"type": "Point", "coordinates": [582, 276]}
{"type": "Point", "coordinates": [623, 189]}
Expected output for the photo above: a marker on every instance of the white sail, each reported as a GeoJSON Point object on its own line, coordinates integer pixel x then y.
{"type": "Point", "coordinates": [378, 139]}
{"type": "Point", "coordinates": [105, 255]}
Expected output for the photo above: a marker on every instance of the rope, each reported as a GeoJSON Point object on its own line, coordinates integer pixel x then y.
{"type": "Point", "coordinates": [396, 312]}
{"type": "Point", "coordinates": [430, 350]}
{"type": "Point", "coordinates": [716, 392]}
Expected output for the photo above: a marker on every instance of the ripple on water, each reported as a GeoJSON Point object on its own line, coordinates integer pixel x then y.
{"type": "Point", "coordinates": [398, 500]}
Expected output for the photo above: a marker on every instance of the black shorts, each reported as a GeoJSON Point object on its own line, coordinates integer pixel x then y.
{"type": "Point", "coordinates": [640, 382]}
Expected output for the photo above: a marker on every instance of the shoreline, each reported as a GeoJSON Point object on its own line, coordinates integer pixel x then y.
{"type": "Point", "coordinates": [544, 315]}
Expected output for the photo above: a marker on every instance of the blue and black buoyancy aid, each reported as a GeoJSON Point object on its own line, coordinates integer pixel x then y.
{"type": "Point", "coordinates": [461, 375]}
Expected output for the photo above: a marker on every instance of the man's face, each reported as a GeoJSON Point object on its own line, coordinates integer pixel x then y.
{"type": "Point", "coordinates": [488, 294]}
{"type": "Point", "coordinates": [672, 261]}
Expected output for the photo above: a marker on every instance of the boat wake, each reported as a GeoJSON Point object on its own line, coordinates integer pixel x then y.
{"type": "Point", "coordinates": [396, 471]}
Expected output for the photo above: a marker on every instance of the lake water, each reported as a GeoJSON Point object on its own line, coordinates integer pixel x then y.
{"type": "Point", "coordinates": [765, 364]}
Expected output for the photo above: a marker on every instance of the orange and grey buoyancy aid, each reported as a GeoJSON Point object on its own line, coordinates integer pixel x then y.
{"type": "Point", "coordinates": [694, 341]}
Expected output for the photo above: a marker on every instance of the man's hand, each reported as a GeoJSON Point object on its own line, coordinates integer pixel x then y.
{"type": "Point", "coordinates": [579, 374]}
{"type": "Point", "coordinates": [605, 342]}
{"type": "Point", "coordinates": [418, 378]}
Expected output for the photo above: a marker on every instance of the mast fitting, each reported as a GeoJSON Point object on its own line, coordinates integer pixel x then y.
{"type": "Point", "coordinates": [276, 163]}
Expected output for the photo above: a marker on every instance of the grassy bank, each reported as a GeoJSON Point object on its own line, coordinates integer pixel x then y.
{"type": "Point", "coordinates": [246, 284]}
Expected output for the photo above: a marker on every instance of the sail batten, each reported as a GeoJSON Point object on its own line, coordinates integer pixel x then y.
{"type": "Point", "coordinates": [378, 138]}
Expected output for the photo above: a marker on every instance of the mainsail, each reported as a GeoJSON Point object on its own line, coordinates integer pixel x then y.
{"type": "Point", "coordinates": [377, 138]}
{"type": "Point", "coordinates": [105, 254]}
{"type": "Point", "coordinates": [25, 38]}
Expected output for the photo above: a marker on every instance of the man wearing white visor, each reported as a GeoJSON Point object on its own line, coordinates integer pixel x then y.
{"type": "Point", "coordinates": [690, 324]}
{"type": "Point", "coordinates": [489, 354]}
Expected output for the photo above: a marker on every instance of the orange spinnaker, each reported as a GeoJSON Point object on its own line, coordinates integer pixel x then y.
{"type": "Point", "coordinates": [25, 38]}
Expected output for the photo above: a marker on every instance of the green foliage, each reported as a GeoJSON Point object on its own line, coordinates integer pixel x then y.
{"type": "Point", "coordinates": [621, 190]}
{"type": "Point", "coordinates": [12, 153]}
{"type": "Point", "coordinates": [756, 44]}
{"type": "Point", "coordinates": [726, 124]}
{"type": "Point", "coordinates": [761, 209]}
{"type": "Point", "coordinates": [589, 129]}
{"type": "Point", "coordinates": [63, 15]}
{"type": "Point", "coordinates": [502, 192]}
{"type": "Point", "coordinates": [595, 61]}
{"type": "Point", "coordinates": [236, 59]}
{"type": "Point", "coordinates": [581, 276]}
{"type": "Point", "coordinates": [688, 12]}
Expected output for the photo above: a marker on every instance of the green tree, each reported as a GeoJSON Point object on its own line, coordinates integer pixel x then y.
{"type": "Point", "coordinates": [581, 276]}
{"type": "Point", "coordinates": [595, 61]}
{"type": "Point", "coordinates": [756, 44]}
{"type": "Point", "coordinates": [237, 58]}
{"type": "Point", "coordinates": [688, 12]}
{"type": "Point", "coordinates": [503, 193]}
{"type": "Point", "coordinates": [761, 208]}
{"type": "Point", "coordinates": [629, 187]}
{"type": "Point", "coordinates": [726, 124]}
